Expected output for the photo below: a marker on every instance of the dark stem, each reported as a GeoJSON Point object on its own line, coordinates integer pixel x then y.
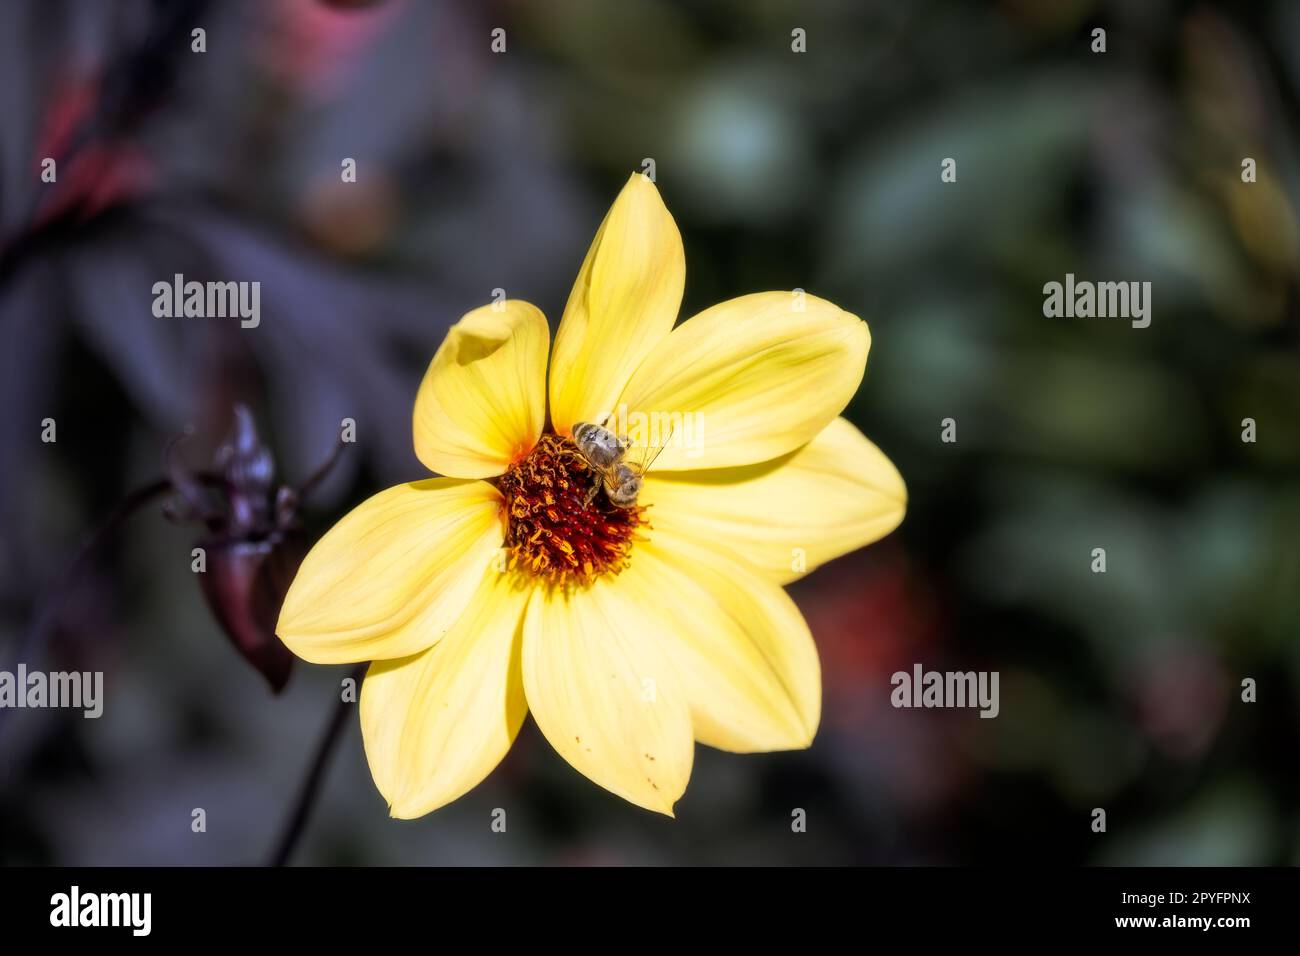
{"type": "Point", "coordinates": [51, 605]}
{"type": "Point", "coordinates": [319, 475]}
{"type": "Point", "coordinates": [56, 597]}
{"type": "Point", "coordinates": [310, 789]}
{"type": "Point", "coordinates": [49, 608]}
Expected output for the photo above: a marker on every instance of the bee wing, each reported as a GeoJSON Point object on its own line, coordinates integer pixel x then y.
{"type": "Point", "coordinates": [647, 459]}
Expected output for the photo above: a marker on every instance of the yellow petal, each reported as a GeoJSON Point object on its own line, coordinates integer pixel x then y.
{"type": "Point", "coordinates": [482, 403]}
{"type": "Point", "coordinates": [394, 574]}
{"type": "Point", "coordinates": [787, 516]}
{"type": "Point", "coordinates": [605, 696]}
{"type": "Point", "coordinates": [748, 380]}
{"type": "Point", "coordinates": [740, 647]}
{"type": "Point", "coordinates": [437, 723]}
{"type": "Point", "coordinates": [623, 303]}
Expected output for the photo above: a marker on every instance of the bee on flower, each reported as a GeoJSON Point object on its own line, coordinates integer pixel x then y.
{"type": "Point", "coordinates": [632, 614]}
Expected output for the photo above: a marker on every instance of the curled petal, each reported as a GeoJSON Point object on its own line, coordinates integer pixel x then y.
{"type": "Point", "coordinates": [482, 403]}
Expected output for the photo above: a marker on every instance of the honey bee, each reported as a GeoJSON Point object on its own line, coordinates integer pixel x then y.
{"type": "Point", "coordinates": [606, 453]}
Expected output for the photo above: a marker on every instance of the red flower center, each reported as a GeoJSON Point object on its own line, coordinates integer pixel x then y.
{"type": "Point", "coordinates": [556, 530]}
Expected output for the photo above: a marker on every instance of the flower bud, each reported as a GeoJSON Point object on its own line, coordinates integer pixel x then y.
{"type": "Point", "coordinates": [253, 546]}
{"type": "Point", "coordinates": [244, 585]}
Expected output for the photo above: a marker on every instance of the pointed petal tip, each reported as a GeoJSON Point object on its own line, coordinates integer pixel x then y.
{"type": "Point", "coordinates": [396, 812]}
{"type": "Point", "coordinates": [667, 806]}
{"type": "Point", "coordinates": [639, 177]}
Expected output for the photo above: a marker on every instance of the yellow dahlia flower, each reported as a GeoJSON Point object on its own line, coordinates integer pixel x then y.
{"type": "Point", "coordinates": [629, 633]}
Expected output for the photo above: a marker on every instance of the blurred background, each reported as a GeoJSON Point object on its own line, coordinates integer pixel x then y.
{"type": "Point", "coordinates": [819, 170]}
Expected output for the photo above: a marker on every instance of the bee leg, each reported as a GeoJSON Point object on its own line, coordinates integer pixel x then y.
{"type": "Point", "coordinates": [591, 495]}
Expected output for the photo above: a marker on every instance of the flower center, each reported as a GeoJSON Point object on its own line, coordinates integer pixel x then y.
{"type": "Point", "coordinates": [555, 530]}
